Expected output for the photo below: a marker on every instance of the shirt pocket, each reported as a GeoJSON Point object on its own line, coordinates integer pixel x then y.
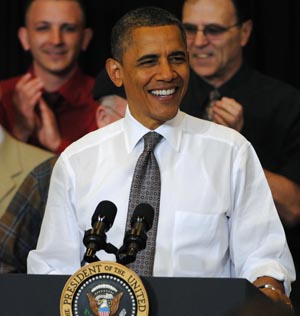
{"type": "Point", "coordinates": [200, 244]}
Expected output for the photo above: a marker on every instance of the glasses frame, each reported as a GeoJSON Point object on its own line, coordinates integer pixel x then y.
{"type": "Point", "coordinates": [192, 32]}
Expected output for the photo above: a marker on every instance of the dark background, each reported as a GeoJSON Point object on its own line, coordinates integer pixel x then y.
{"type": "Point", "coordinates": [273, 47]}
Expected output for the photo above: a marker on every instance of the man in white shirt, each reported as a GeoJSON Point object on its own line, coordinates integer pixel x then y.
{"type": "Point", "coordinates": [214, 195]}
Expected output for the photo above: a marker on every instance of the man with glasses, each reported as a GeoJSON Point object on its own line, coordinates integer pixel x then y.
{"type": "Point", "coordinates": [266, 111]}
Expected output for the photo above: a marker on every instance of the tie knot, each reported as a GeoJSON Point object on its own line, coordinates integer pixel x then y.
{"type": "Point", "coordinates": [53, 99]}
{"type": "Point", "coordinates": [214, 95]}
{"type": "Point", "coordinates": [151, 139]}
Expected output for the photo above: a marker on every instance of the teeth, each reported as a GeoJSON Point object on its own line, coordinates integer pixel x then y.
{"type": "Point", "coordinates": [203, 55]}
{"type": "Point", "coordinates": [163, 92]}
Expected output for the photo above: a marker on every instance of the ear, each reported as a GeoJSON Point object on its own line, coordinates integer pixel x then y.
{"type": "Point", "coordinates": [115, 71]}
{"type": "Point", "coordinates": [87, 36]}
{"type": "Point", "coordinates": [101, 116]}
{"type": "Point", "coordinates": [23, 37]}
{"type": "Point", "coordinates": [246, 32]}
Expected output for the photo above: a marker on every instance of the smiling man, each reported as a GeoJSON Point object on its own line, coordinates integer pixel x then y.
{"type": "Point", "coordinates": [211, 181]}
{"type": "Point", "coordinates": [265, 110]}
{"type": "Point", "coordinates": [51, 105]}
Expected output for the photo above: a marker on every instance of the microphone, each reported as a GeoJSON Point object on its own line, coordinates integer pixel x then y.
{"type": "Point", "coordinates": [135, 239]}
{"type": "Point", "coordinates": [95, 239]}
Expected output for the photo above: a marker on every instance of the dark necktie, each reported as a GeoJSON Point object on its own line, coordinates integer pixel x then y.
{"type": "Point", "coordinates": [214, 95]}
{"type": "Point", "coordinates": [53, 99]}
{"type": "Point", "coordinates": [145, 188]}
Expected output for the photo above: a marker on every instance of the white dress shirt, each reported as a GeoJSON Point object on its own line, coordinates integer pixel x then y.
{"type": "Point", "coordinates": [217, 217]}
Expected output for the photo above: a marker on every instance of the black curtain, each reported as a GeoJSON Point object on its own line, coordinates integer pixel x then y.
{"type": "Point", "coordinates": [273, 47]}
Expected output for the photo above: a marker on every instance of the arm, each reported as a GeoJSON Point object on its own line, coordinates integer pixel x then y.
{"type": "Point", "coordinates": [229, 113]}
{"type": "Point", "coordinates": [286, 195]}
{"type": "Point", "coordinates": [60, 241]}
{"type": "Point", "coordinates": [266, 253]}
{"type": "Point", "coordinates": [25, 97]}
{"type": "Point", "coordinates": [47, 129]}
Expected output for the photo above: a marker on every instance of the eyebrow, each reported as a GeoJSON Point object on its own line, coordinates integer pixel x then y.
{"type": "Point", "coordinates": [153, 56]}
{"type": "Point", "coordinates": [149, 56]}
{"type": "Point", "coordinates": [178, 53]}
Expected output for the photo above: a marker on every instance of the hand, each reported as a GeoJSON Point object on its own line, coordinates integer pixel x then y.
{"type": "Point", "coordinates": [25, 97]}
{"type": "Point", "coordinates": [282, 302]}
{"type": "Point", "coordinates": [275, 291]}
{"type": "Point", "coordinates": [229, 113]}
{"type": "Point", "coordinates": [47, 129]}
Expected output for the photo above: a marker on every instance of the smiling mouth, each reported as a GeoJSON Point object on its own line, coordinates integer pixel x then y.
{"type": "Point", "coordinates": [163, 92]}
{"type": "Point", "coordinates": [55, 53]}
{"type": "Point", "coordinates": [202, 55]}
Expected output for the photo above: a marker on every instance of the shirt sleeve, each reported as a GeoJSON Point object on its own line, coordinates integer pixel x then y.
{"type": "Point", "coordinates": [58, 249]}
{"type": "Point", "coordinates": [258, 246]}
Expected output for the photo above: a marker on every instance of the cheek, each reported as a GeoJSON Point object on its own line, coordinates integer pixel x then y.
{"type": "Point", "coordinates": [189, 43]}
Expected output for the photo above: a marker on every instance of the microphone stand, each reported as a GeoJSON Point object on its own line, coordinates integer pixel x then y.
{"type": "Point", "coordinates": [99, 242]}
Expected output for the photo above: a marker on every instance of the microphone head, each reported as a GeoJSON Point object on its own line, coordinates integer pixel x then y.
{"type": "Point", "coordinates": [144, 211]}
{"type": "Point", "coordinates": [106, 210]}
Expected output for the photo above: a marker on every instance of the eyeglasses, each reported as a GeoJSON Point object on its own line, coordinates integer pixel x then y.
{"type": "Point", "coordinates": [210, 31]}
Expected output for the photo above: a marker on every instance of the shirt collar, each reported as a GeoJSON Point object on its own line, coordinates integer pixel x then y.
{"type": "Point", "coordinates": [200, 84]}
{"type": "Point", "coordinates": [70, 90]}
{"type": "Point", "coordinates": [240, 76]}
{"type": "Point", "coordinates": [171, 130]}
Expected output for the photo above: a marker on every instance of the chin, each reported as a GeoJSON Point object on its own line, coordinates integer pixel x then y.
{"type": "Point", "coordinates": [204, 72]}
{"type": "Point", "coordinates": [60, 70]}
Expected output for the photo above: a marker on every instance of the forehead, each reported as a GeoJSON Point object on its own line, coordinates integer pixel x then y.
{"type": "Point", "coordinates": [54, 10]}
{"type": "Point", "coordinates": [209, 11]}
{"type": "Point", "coordinates": [155, 40]}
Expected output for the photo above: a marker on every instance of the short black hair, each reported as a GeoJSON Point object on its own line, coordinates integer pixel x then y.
{"type": "Point", "coordinates": [81, 3]}
{"type": "Point", "coordinates": [140, 17]}
{"type": "Point", "coordinates": [243, 10]}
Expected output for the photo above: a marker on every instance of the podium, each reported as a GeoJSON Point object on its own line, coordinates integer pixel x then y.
{"type": "Point", "coordinates": [39, 295]}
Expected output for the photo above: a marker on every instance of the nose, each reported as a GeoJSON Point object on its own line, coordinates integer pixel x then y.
{"type": "Point", "coordinates": [166, 71]}
{"type": "Point", "coordinates": [200, 39]}
{"type": "Point", "coordinates": [56, 36]}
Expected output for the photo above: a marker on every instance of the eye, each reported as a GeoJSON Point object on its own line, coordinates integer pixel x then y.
{"type": "Point", "coordinates": [214, 29]}
{"type": "Point", "coordinates": [42, 27]}
{"type": "Point", "coordinates": [190, 28]}
{"type": "Point", "coordinates": [148, 60]}
{"type": "Point", "coordinates": [177, 59]}
{"type": "Point", "coordinates": [69, 28]}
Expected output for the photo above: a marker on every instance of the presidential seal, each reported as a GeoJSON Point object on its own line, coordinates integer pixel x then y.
{"type": "Point", "coordinates": [104, 289]}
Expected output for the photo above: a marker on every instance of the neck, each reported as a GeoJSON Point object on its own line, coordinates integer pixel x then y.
{"type": "Point", "coordinates": [53, 82]}
{"type": "Point", "coordinates": [223, 76]}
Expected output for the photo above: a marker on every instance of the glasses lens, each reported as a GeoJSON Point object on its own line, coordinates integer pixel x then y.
{"type": "Point", "coordinates": [214, 30]}
{"type": "Point", "coordinates": [190, 29]}
{"type": "Point", "coordinates": [211, 31]}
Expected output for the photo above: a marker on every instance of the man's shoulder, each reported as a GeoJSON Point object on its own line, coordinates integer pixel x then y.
{"type": "Point", "coordinates": [266, 82]}
{"type": "Point", "coordinates": [22, 151]}
{"type": "Point", "coordinates": [82, 77]}
{"type": "Point", "coordinates": [45, 167]}
{"type": "Point", "coordinates": [9, 84]}
{"type": "Point", "coordinates": [79, 87]}
{"type": "Point", "coordinates": [206, 129]}
{"type": "Point", "coordinates": [94, 139]}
